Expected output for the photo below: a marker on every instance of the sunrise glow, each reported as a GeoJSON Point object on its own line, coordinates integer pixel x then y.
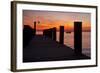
{"type": "Point", "coordinates": [49, 19]}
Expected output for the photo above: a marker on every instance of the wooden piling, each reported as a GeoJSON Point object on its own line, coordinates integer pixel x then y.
{"type": "Point", "coordinates": [78, 38]}
{"type": "Point", "coordinates": [54, 33]}
{"type": "Point", "coordinates": [35, 27]}
{"type": "Point", "coordinates": [61, 38]}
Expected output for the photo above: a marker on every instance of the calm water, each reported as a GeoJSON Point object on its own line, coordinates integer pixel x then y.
{"type": "Point", "coordinates": [86, 43]}
{"type": "Point", "coordinates": [69, 41]}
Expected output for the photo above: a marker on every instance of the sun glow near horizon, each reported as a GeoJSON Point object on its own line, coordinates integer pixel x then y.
{"type": "Point", "coordinates": [50, 19]}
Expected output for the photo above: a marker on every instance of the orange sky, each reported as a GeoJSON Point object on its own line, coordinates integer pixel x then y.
{"type": "Point", "coordinates": [50, 19]}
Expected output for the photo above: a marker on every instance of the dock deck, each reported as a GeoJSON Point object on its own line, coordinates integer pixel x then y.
{"type": "Point", "coordinates": [42, 48]}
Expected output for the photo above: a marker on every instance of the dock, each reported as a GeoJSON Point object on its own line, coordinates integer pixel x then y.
{"type": "Point", "coordinates": [37, 48]}
{"type": "Point", "coordinates": [43, 48]}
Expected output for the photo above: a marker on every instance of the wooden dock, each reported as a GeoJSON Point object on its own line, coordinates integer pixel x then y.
{"type": "Point", "coordinates": [42, 48]}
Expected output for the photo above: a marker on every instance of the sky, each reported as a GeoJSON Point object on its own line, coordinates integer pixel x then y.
{"type": "Point", "coordinates": [50, 19]}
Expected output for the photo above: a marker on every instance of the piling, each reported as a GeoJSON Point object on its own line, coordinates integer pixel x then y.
{"type": "Point", "coordinates": [78, 38]}
{"type": "Point", "coordinates": [61, 38]}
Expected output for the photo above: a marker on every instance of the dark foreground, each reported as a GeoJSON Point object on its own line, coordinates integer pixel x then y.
{"type": "Point", "coordinates": [41, 48]}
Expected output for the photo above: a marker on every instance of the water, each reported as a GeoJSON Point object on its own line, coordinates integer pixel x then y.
{"type": "Point", "coordinates": [86, 41]}
{"type": "Point", "coordinates": [69, 41]}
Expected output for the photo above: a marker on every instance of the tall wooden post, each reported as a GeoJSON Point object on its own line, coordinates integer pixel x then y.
{"type": "Point", "coordinates": [35, 27]}
{"type": "Point", "coordinates": [78, 38]}
{"type": "Point", "coordinates": [54, 33]}
{"type": "Point", "coordinates": [61, 39]}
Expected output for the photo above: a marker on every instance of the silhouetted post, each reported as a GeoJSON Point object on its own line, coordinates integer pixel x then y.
{"type": "Point", "coordinates": [50, 33]}
{"type": "Point", "coordinates": [61, 39]}
{"type": "Point", "coordinates": [54, 33]}
{"type": "Point", "coordinates": [35, 27]}
{"type": "Point", "coordinates": [78, 38]}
